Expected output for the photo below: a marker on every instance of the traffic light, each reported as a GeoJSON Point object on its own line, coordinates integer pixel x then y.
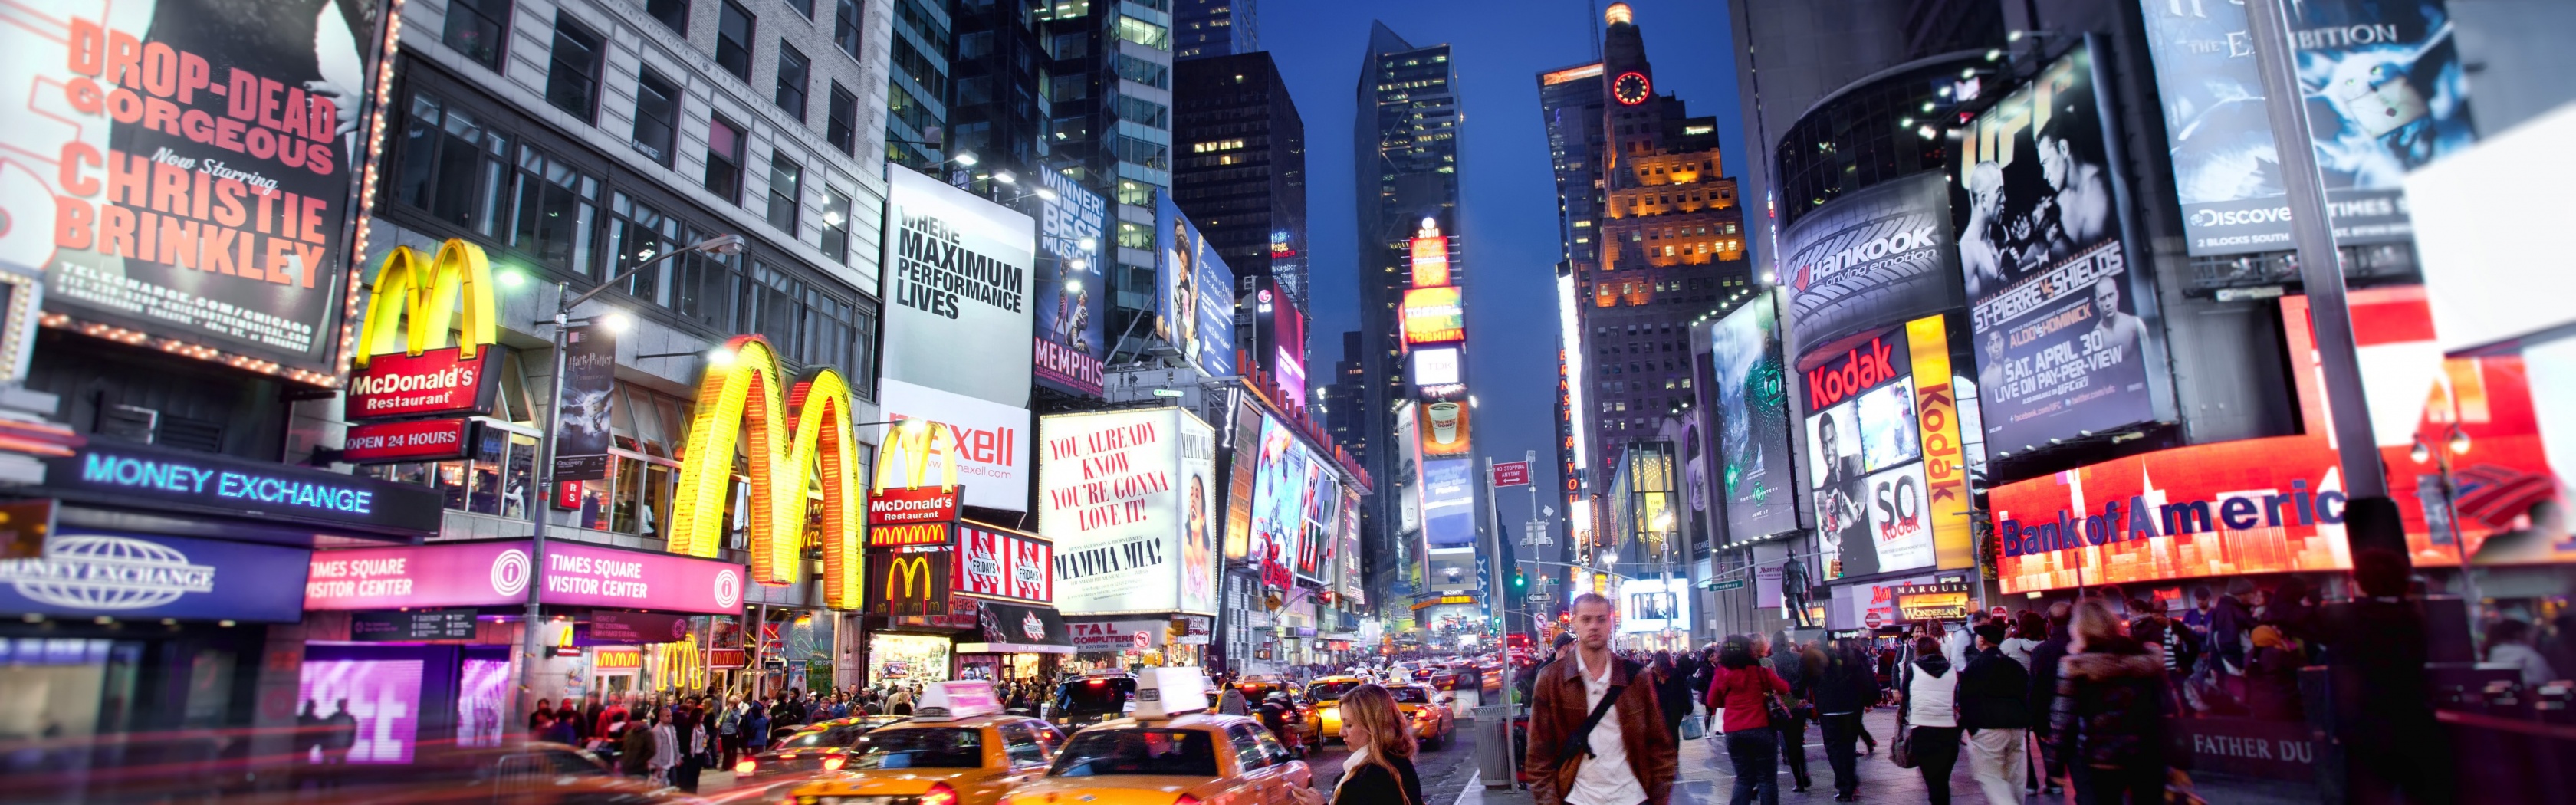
{"type": "Point", "coordinates": [1520, 581]}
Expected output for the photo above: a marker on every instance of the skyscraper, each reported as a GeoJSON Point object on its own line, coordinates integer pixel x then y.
{"type": "Point", "coordinates": [1110, 91]}
{"type": "Point", "coordinates": [1208, 28]}
{"type": "Point", "coordinates": [917, 91]}
{"type": "Point", "coordinates": [1241, 171]}
{"type": "Point", "coordinates": [1570, 107]}
{"type": "Point", "coordinates": [1670, 245]}
{"type": "Point", "coordinates": [1406, 179]}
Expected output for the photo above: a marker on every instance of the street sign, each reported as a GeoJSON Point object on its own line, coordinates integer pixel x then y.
{"type": "Point", "coordinates": [1541, 599]}
{"type": "Point", "coordinates": [1536, 533]}
{"type": "Point", "coordinates": [1514, 473]}
{"type": "Point", "coordinates": [1730, 584]}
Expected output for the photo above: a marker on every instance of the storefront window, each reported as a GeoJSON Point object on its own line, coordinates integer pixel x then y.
{"type": "Point", "coordinates": [907, 658]}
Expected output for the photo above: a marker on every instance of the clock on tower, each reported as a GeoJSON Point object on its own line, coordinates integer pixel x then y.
{"type": "Point", "coordinates": [1631, 88]}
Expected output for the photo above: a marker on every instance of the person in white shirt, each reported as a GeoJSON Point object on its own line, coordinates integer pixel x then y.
{"type": "Point", "coordinates": [1931, 687]}
{"type": "Point", "coordinates": [1626, 757]}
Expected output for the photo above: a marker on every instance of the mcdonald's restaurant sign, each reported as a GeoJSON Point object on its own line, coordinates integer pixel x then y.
{"type": "Point", "coordinates": [423, 346]}
{"type": "Point", "coordinates": [746, 398]}
{"type": "Point", "coordinates": [910, 581]}
{"type": "Point", "coordinates": [903, 492]}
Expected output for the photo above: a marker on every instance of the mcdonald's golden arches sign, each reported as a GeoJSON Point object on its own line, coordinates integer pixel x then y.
{"type": "Point", "coordinates": [745, 396]}
{"type": "Point", "coordinates": [421, 348]}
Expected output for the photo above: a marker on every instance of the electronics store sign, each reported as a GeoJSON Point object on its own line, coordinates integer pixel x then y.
{"type": "Point", "coordinates": [149, 477]}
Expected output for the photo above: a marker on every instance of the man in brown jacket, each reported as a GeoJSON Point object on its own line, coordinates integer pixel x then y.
{"type": "Point", "coordinates": [1629, 758]}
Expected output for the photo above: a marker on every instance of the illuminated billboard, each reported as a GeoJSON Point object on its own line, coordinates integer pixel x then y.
{"type": "Point", "coordinates": [1443, 428]}
{"type": "Point", "coordinates": [1449, 502]}
{"type": "Point", "coordinates": [1430, 256]}
{"type": "Point", "coordinates": [2063, 320]}
{"type": "Point", "coordinates": [1194, 304]}
{"type": "Point", "coordinates": [1888, 482]}
{"type": "Point", "coordinates": [957, 270]}
{"type": "Point", "coordinates": [1757, 482]}
{"type": "Point", "coordinates": [1438, 366]}
{"type": "Point", "coordinates": [1130, 499]}
{"type": "Point", "coordinates": [1434, 316]}
{"type": "Point", "coordinates": [1654, 605]}
{"type": "Point", "coordinates": [1072, 287]}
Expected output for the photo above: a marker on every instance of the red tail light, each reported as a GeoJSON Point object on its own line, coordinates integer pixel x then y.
{"type": "Point", "coordinates": [1186, 800]}
{"type": "Point", "coordinates": [834, 763]}
{"type": "Point", "coordinates": [939, 794]}
{"type": "Point", "coordinates": [744, 766]}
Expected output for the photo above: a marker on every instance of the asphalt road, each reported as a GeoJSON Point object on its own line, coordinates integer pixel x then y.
{"type": "Point", "coordinates": [1444, 772]}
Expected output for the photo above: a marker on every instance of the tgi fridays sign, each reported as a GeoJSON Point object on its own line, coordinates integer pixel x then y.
{"type": "Point", "coordinates": [1003, 564]}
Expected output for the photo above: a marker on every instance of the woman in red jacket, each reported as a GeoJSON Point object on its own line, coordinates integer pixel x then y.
{"type": "Point", "coordinates": [1742, 689]}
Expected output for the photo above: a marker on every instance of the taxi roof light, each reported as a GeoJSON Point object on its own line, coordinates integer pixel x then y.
{"type": "Point", "coordinates": [1170, 692]}
{"type": "Point", "coordinates": [945, 701]}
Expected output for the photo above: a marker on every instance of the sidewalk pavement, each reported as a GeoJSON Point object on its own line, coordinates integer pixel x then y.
{"type": "Point", "coordinates": [1707, 778]}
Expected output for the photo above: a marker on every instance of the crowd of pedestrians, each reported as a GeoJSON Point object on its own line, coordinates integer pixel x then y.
{"type": "Point", "coordinates": [2076, 697]}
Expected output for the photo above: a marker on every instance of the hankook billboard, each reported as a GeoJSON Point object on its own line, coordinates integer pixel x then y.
{"type": "Point", "coordinates": [1869, 259]}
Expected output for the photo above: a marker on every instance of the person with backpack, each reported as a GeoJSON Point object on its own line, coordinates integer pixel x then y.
{"type": "Point", "coordinates": [1994, 711]}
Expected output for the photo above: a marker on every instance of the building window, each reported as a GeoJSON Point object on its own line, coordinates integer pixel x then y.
{"type": "Point", "coordinates": [572, 71]}
{"type": "Point", "coordinates": [845, 27]}
{"type": "Point", "coordinates": [841, 120]}
{"type": "Point", "coordinates": [772, 304]}
{"type": "Point", "coordinates": [785, 178]}
{"type": "Point", "coordinates": [836, 224]}
{"type": "Point", "coordinates": [674, 14]}
{"type": "Point", "coordinates": [556, 205]}
{"type": "Point", "coordinates": [1151, 155]}
{"type": "Point", "coordinates": [479, 29]}
{"type": "Point", "coordinates": [657, 116]}
{"type": "Point", "coordinates": [733, 40]}
{"type": "Point", "coordinates": [724, 159]}
{"type": "Point", "coordinates": [792, 76]}
{"type": "Point", "coordinates": [910, 61]}
{"type": "Point", "coordinates": [1143, 112]}
{"type": "Point", "coordinates": [452, 167]}
{"type": "Point", "coordinates": [805, 7]}
{"type": "Point", "coordinates": [1144, 72]}
{"type": "Point", "coordinates": [1144, 33]}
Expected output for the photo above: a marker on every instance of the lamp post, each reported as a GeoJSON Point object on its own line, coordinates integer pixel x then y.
{"type": "Point", "coordinates": [528, 639]}
{"type": "Point", "coordinates": [2457, 443]}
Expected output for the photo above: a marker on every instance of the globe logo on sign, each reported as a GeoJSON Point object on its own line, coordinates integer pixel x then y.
{"type": "Point", "coordinates": [510, 572]}
{"type": "Point", "coordinates": [107, 573]}
{"type": "Point", "coordinates": [728, 588]}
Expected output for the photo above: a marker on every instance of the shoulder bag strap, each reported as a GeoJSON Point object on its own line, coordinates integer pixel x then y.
{"type": "Point", "coordinates": [1581, 739]}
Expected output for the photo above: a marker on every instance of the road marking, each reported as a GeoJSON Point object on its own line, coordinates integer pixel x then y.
{"type": "Point", "coordinates": [1474, 793]}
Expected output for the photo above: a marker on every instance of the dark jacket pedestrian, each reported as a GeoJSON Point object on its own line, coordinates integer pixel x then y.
{"type": "Point", "coordinates": [2109, 713]}
{"type": "Point", "coordinates": [2231, 625]}
{"type": "Point", "coordinates": [1994, 693]}
{"type": "Point", "coordinates": [1845, 688]}
{"type": "Point", "coordinates": [1558, 706]}
{"type": "Point", "coordinates": [2044, 663]}
{"type": "Point", "coordinates": [1674, 693]}
{"type": "Point", "coordinates": [1371, 784]}
{"type": "Point", "coordinates": [1790, 664]}
{"type": "Point", "coordinates": [2376, 651]}
{"type": "Point", "coordinates": [635, 751]}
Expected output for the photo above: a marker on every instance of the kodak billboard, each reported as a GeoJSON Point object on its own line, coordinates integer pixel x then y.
{"type": "Point", "coordinates": [422, 346]}
{"type": "Point", "coordinates": [745, 396]}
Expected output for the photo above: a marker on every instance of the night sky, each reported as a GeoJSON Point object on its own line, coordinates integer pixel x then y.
{"type": "Point", "coordinates": [1508, 234]}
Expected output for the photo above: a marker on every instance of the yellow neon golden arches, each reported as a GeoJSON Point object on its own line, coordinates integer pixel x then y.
{"type": "Point", "coordinates": [908, 448]}
{"type": "Point", "coordinates": [746, 394]}
{"type": "Point", "coordinates": [420, 288]}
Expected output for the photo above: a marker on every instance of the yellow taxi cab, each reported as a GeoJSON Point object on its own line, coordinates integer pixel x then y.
{"type": "Point", "coordinates": [1170, 752]}
{"type": "Point", "coordinates": [957, 749]}
{"type": "Point", "coordinates": [1324, 704]}
{"type": "Point", "coordinates": [1428, 710]}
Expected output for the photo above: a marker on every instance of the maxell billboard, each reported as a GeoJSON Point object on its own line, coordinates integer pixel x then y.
{"type": "Point", "coordinates": [957, 287]}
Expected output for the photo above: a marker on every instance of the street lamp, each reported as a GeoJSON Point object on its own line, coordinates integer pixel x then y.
{"type": "Point", "coordinates": [614, 321]}
{"type": "Point", "coordinates": [2456, 444]}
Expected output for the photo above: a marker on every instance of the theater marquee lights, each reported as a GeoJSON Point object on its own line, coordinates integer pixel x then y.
{"type": "Point", "coordinates": [743, 393]}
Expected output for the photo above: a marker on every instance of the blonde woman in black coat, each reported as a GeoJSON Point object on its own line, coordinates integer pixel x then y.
{"type": "Point", "coordinates": [1380, 768]}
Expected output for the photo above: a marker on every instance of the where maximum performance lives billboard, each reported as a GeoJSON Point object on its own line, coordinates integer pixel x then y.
{"type": "Point", "coordinates": [2385, 92]}
{"type": "Point", "coordinates": [198, 162]}
{"type": "Point", "coordinates": [2065, 340]}
{"type": "Point", "coordinates": [957, 272]}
